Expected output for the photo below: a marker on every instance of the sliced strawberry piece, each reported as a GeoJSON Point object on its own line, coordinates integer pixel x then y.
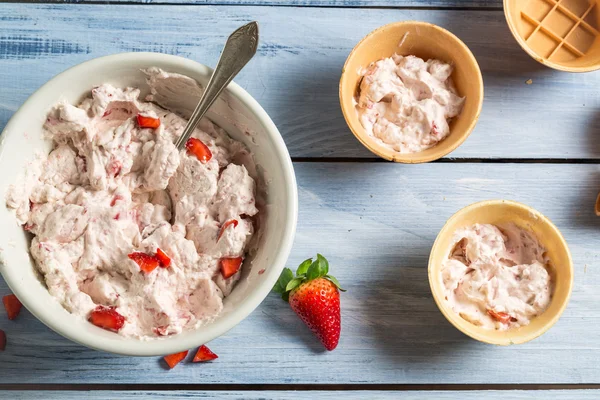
{"type": "Point", "coordinates": [114, 200]}
{"type": "Point", "coordinates": [200, 150]}
{"type": "Point", "coordinates": [146, 262]}
{"type": "Point", "coordinates": [161, 330]}
{"type": "Point", "coordinates": [114, 167]}
{"type": "Point", "coordinates": [12, 305]}
{"type": "Point", "coordinates": [147, 122]}
{"type": "Point", "coordinates": [204, 354]}
{"type": "Point", "coordinates": [500, 316]}
{"type": "Point", "coordinates": [164, 259]}
{"type": "Point", "coordinates": [2, 340]}
{"type": "Point", "coordinates": [226, 225]}
{"type": "Point", "coordinates": [434, 129]}
{"type": "Point", "coordinates": [229, 266]}
{"type": "Point", "coordinates": [107, 318]}
{"type": "Point", "coordinates": [174, 359]}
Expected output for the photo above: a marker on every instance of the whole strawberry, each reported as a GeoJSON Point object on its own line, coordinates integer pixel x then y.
{"type": "Point", "coordinates": [315, 298]}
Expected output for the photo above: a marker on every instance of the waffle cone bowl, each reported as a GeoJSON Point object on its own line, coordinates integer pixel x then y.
{"type": "Point", "coordinates": [562, 34]}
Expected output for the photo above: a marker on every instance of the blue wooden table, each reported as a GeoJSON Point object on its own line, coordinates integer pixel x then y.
{"type": "Point", "coordinates": [537, 143]}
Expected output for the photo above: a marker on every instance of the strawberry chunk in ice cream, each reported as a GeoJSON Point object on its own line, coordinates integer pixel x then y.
{"type": "Point", "coordinates": [497, 277]}
{"type": "Point", "coordinates": [115, 200]}
{"type": "Point", "coordinates": [405, 103]}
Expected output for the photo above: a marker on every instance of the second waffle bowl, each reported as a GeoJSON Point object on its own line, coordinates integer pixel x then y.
{"type": "Point", "coordinates": [562, 34]}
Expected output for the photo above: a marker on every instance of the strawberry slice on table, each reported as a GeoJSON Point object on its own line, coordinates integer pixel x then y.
{"type": "Point", "coordinates": [204, 354]}
{"type": "Point", "coordinates": [146, 262]}
{"type": "Point", "coordinates": [226, 225]}
{"type": "Point", "coordinates": [314, 296]}
{"type": "Point", "coordinates": [2, 340]}
{"type": "Point", "coordinates": [164, 259]}
{"type": "Point", "coordinates": [500, 316]}
{"type": "Point", "coordinates": [229, 266]}
{"type": "Point", "coordinates": [107, 318]}
{"type": "Point", "coordinates": [147, 122]}
{"type": "Point", "coordinates": [173, 359]}
{"type": "Point", "coordinates": [12, 305]}
{"type": "Point", "coordinates": [200, 150]}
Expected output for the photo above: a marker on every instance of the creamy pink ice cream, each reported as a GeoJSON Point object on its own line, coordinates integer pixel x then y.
{"type": "Point", "coordinates": [406, 103]}
{"type": "Point", "coordinates": [497, 277]}
{"type": "Point", "coordinates": [110, 187]}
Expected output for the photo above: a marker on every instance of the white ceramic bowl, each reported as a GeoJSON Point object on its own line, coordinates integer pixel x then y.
{"type": "Point", "coordinates": [236, 111]}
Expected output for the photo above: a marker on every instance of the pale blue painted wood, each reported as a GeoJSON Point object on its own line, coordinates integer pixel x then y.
{"type": "Point", "coordinates": [322, 3]}
{"type": "Point", "coordinates": [307, 395]}
{"type": "Point", "coordinates": [295, 75]}
{"type": "Point", "coordinates": [376, 223]}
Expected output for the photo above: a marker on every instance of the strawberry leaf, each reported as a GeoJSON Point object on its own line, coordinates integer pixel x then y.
{"type": "Point", "coordinates": [313, 271]}
{"type": "Point", "coordinates": [293, 284]}
{"type": "Point", "coordinates": [323, 265]}
{"type": "Point", "coordinates": [303, 267]}
{"type": "Point", "coordinates": [286, 276]}
{"type": "Point", "coordinates": [335, 282]}
{"type": "Point", "coordinates": [307, 271]}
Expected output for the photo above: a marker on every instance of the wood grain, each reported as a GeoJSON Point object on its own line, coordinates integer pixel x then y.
{"type": "Point", "coordinates": [376, 223]}
{"type": "Point", "coordinates": [295, 75]}
{"type": "Point", "coordinates": [318, 3]}
{"type": "Point", "coordinates": [309, 395]}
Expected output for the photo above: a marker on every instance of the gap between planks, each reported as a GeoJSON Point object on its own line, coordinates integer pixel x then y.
{"type": "Point", "coordinates": [295, 387]}
{"type": "Point", "coordinates": [454, 160]}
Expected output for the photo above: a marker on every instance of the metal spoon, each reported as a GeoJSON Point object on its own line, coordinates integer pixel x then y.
{"type": "Point", "coordinates": [239, 49]}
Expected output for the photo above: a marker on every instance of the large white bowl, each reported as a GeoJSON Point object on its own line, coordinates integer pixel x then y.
{"type": "Point", "coordinates": [237, 112]}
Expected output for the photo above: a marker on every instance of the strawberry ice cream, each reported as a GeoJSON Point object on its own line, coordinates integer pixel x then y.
{"type": "Point", "coordinates": [405, 103]}
{"type": "Point", "coordinates": [497, 277]}
{"type": "Point", "coordinates": [129, 232]}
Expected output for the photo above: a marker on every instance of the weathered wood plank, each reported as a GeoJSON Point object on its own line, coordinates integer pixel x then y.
{"type": "Point", "coordinates": [376, 223]}
{"type": "Point", "coordinates": [319, 3]}
{"type": "Point", "coordinates": [295, 75]}
{"type": "Point", "coordinates": [308, 395]}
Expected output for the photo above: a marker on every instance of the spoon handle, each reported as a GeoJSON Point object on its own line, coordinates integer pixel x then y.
{"type": "Point", "coordinates": [239, 49]}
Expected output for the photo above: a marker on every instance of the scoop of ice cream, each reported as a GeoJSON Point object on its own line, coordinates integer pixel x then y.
{"type": "Point", "coordinates": [496, 276]}
{"type": "Point", "coordinates": [405, 102]}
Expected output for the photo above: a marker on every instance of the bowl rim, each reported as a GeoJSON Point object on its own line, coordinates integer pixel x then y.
{"type": "Point", "coordinates": [452, 317]}
{"type": "Point", "coordinates": [176, 343]}
{"type": "Point", "coordinates": [391, 155]}
{"type": "Point", "coordinates": [559, 67]}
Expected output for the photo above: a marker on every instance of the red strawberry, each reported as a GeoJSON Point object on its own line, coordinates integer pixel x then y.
{"type": "Point", "coordinates": [164, 259]}
{"type": "Point", "coordinates": [147, 122]}
{"type": "Point", "coordinates": [233, 222]}
{"type": "Point", "coordinates": [174, 359]}
{"type": "Point", "coordinates": [315, 298]}
{"type": "Point", "coordinates": [200, 150]}
{"type": "Point", "coordinates": [2, 340]}
{"type": "Point", "coordinates": [434, 129]}
{"type": "Point", "coordinates": [12, 306]}
{"type": "Point", "coordinates": [114, 167]}
{"type": "Point", "coordinates": [107, 318]}
{"type": "Point", "coordinates": [113, 202]}
{"type": "Point", "coordinates": [204, 354]}
{"type": "Point", "coordinates": [500, 316]}
{"type": "Point", "coordinates": [146, 262]}
{"type": "Point", "coordinates": [229, 266]}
